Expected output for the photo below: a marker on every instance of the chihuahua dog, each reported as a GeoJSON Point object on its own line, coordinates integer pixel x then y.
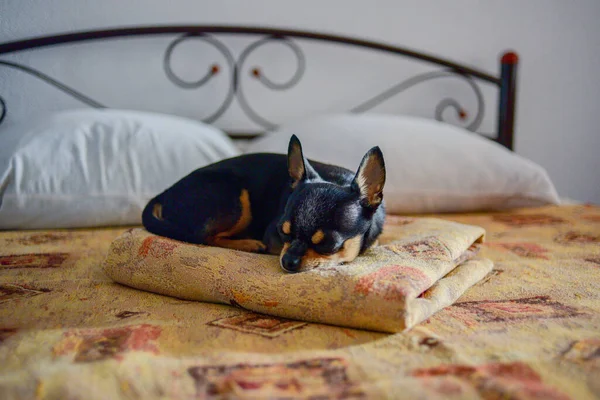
{"type": "Point", "coordinates": [309, 213]}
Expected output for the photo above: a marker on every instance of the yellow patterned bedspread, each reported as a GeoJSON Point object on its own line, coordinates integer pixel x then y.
{"type": "Point", "coordinates": [529, 330]}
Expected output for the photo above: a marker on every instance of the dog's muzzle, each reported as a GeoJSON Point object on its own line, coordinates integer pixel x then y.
{"type": "Point", "coordinates": [291, 260]}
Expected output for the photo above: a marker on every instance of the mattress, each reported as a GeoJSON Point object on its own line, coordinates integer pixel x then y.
{"type": "Point", "coordinates": [530, 329]}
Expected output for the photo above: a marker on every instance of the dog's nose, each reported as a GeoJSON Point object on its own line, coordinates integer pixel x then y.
{"type": "Point", "coordinates": [290, 263]}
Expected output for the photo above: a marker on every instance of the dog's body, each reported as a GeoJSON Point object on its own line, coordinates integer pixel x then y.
{"type": "Point", "coordinates": [309, 212]}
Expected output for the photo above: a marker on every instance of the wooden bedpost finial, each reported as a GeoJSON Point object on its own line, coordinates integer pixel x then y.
{"type": "Point", "coordinates": [510, 57]}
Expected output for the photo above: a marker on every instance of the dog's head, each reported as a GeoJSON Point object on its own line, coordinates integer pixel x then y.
{"type": "Point", "coordinates": [328, 223]}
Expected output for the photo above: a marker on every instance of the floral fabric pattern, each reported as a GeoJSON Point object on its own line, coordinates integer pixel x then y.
{"type": "Point", "coordinates": [376, 291]}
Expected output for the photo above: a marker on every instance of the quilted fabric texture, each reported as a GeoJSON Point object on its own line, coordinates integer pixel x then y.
{"type": "Point", "coordinates": [529, 330]}
{"type": "Point", "coordinates": [389, 289]}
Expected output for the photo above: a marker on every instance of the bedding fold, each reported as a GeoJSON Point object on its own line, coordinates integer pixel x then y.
{"type": "Point", "coordinates": [391, 288]}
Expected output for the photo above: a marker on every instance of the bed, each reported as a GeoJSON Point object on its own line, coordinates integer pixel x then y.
{"type": "Point", "coordinates": [528, 330]}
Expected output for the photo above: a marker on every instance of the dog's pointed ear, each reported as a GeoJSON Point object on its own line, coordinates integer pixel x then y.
{"type": "Point", "coordinates": [298, 167]}
{"type": "Point", "coordinates": [370, 178]}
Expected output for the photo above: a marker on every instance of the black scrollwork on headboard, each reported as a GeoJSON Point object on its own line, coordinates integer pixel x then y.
{"type": "Point", "coordinates": [49, 80]}
{"type": "Point", "coordinates": [212, 71]}
{"type": "Point", "coordinates": [258, 74]}
{"type": "Point", "coordinates": [2, 109]}
{"type": "Point", "coordinates": [441, 106]}
{"type": "Point", "coordinates": [235, 67]}
{"type": "Point", "coordinates": [236, 84]}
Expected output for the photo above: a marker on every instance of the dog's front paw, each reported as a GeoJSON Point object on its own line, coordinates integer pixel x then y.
{"type": "Point", "coordinates": [250, 245]}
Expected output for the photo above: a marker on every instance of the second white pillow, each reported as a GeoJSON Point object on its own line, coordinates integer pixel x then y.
{"type": "Point", "coordinates": [431, 166]}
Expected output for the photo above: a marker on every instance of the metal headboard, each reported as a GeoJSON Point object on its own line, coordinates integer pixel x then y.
{"type": "Point", "coordinates": [505, 81]}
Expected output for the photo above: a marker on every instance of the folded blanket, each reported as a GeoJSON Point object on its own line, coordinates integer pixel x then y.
{"type": "Point", "coordinates": [392, 287]}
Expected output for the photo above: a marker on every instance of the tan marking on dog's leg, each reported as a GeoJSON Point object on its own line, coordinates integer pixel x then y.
{"type": "Point", "coordinates": [244, 219]}
{"type": "Point", "coordinates": [222, 239]}
{"type": "Point", "coordinates": [250, 245]}
{"type": "Point", "coordinates": [157, 211]}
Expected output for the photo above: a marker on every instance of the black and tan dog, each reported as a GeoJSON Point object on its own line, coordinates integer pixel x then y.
{"type": "Point", "coordinates": [310, 213]}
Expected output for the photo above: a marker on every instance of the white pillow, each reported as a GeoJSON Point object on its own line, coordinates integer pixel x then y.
{"type": "Point", "coordinates": [87, 168]}
{"type": "Point", "coordinates": [431, 166]}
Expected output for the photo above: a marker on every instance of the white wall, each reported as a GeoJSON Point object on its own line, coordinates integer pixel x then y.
{"type": "Point", "coordinates": [558, 42]}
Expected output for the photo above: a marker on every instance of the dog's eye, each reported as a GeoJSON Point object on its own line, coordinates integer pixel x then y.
{"type": "Point", "coordinates": [326, 250]}
{"type": "Point", "coordinates": [327, 247]}
{"type": "Point", "coordinates": [331, 243]}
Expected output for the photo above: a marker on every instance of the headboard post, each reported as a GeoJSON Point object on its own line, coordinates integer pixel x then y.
{"type": "Point", "coordinates": [507, 100]}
